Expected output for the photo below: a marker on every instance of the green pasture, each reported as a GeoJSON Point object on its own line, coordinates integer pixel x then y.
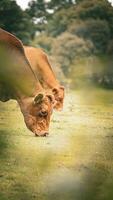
{"type": "Point", "coordinates": [75, 162]}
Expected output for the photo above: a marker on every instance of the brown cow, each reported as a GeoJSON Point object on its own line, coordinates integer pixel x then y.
{"type": "Point", "coordinates": [41, 66]}
{"type": "Point", "coordinates": [18, 81]}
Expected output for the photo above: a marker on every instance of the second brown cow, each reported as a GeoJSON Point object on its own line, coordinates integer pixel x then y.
{"type": "Point", "coordinates": [42, 68]}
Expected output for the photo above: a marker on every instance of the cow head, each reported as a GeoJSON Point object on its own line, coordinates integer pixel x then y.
{"type": "Point", "coordinates": [59, 97]}
{"type": "Point", "coordinates": [37, 112]}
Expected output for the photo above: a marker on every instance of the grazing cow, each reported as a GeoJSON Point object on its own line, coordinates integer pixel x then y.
{"type": "Point", "coordinates": [41, 66]}
{"type": "Point", "coordinates": [18, 81]}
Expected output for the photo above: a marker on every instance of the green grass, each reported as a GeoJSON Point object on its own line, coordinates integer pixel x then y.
{"type": "Point", "coordinates": [74, 163]}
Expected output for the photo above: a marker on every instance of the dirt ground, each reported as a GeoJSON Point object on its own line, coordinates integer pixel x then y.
{"type": "Point", "coordinates": [75, 162]}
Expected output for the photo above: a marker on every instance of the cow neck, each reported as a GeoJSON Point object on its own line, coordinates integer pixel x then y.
{"type": "Point", "coordinates": [17, 80]}
{"type": "Point", "coordinates": [18, 75]}
{"type": "Point", "coordinates": [5, 94]}
{"type": "Point", "coordinates": [47, 74]}
{"type": "Point", "coordinates": [15, 69]}
{"type": "Point", "coordinates": [19, 95]}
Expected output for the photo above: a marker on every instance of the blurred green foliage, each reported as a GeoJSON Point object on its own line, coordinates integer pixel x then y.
{"type": "Point", "coordinates": [77, 35]}
{"type": "Point", "coordinates": [15, 20]}
{"type": "Point", "coordinates": [70, 31]}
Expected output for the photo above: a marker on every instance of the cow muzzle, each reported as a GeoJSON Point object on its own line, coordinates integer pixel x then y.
{"type": "Point", "coordinates": [41, 134]}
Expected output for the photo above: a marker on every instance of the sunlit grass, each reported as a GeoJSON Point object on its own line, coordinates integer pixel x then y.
{"type": "Point", "coordinates": [73, 163]}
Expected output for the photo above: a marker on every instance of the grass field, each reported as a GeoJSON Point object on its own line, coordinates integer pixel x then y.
{"type": "Point", "coordinates": [75, 162]}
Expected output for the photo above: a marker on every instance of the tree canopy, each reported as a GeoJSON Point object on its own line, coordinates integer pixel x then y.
{"type": "Point", "coordinates": [79, 35]}
{"type": "Point", "coordinates": [15, 20]}
{"type": "Point", "coordinates": [68, 29]}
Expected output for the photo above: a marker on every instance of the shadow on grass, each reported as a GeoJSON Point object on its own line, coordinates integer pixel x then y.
{"type": "Point", "coordinates": [18, 192]}
{"type": "Point", "coordinates": [86, 181]}
{"type": "Point", "coordinates": [5, 142]}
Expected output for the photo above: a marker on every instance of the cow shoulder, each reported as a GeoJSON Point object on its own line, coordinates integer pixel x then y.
{"type": "Point", "coordinates": [11, 40]}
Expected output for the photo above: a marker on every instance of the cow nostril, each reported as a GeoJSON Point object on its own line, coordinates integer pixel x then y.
{"type": "Point", "coordinates": [45, 134]}
{"type": "Point", "coordinates": [42, 135]}
{"type": "Point", "coordinates": [44, 113]}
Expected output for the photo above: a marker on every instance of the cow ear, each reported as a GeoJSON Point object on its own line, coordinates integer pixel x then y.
{"type": "Point", "coordinates": [51, 97]}
{"type": "Point", "coordinates": [55, 91]}
{"type": "Point", "coordinates": [38, 98]}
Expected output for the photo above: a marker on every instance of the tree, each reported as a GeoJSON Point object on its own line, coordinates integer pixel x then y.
{"type": "Point", "coordinates": [79, 1]}
{"type": "Point", "coordinates": [37, 10]}
{"type": "Point", "coordinates": [76, 33]}
{"type": "Point", "coordinates": [16, 21]}
{"type": "Point", "coordinates": [68, 47]}
{"type": "Point", "coordinates": [60, 4]}
{"type": "Point", "coordinates": [96, 30]}
{"type": "Point", "coordinates": [42, 11]}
